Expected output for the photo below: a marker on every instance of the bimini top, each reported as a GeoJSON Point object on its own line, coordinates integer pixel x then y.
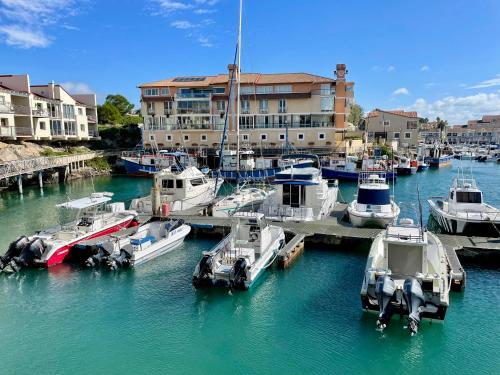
{"type": "Point", "coordinates": [94, 200]}
{"type": "Point", "coordinates": [297, 176]}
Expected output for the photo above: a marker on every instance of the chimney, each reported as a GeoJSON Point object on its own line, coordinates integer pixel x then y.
{"type": "Point", "coordinates": [340, 96]}
{"type": "Point", "coordinates": [51, 89]}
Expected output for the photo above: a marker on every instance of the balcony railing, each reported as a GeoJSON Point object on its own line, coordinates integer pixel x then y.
{"type": "Point", "coordinates": [40, 112]}
{"type": "Point", "coordinates": [7, 131]}
{"type": "Point", "coordinates": [21, 109]}
{"type": "Point", "coordinates": [91, 118]}
{"type": "Point", "coordinates": [93, 133]}
{"type": "Point", "coordinates": [56, 132]}
{"type": "Point", "coordinates": [23, 131]}
{"type": "Point", "coordinates": [70, 116]}
{"type": "Point", "coordinates": [282, 110]}
{"type": "Point", "coordinates": [6, 108]}
{"type": "Point", "coordinates": [193, 95]}
{"type": "Point", "coordinates": [69, 131]}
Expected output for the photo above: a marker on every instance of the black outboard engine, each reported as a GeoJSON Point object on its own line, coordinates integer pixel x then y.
{"type": "Point", "coordinates": [238, 274]}
{"type": "Point", "coordinates": [31, 252]}
{"type": "Point", "coordinates": [102, 256]}
{"type": "Point", "coordinates": [14, 250]}
{"type": "Point", "coordinates": [203, 268]}
{"type": "Point", "coordinates": [414, 298]}
{"type": "Point", "coordinates": [384, 290]}
{"type": "Point", "coordinates": [122, 260]}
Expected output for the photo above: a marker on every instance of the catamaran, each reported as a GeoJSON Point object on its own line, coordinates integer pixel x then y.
{"type": "Point", "coordinates": [95, 217]}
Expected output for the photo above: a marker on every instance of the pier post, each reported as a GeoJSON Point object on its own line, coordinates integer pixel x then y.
{"type": "Point", "coordinates": [40, 179]}
{"type": "Point", "coordinates": [20, 183]}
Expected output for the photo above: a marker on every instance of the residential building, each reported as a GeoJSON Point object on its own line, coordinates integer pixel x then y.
{"type": "Point", "coordinates": [44, 112]}
{"type": "Point", "coordinates": [484, 131]}
{"type": "Point", "coordinates": [193, 111]}
{"type": "Point", "coordinates": [393, 126]}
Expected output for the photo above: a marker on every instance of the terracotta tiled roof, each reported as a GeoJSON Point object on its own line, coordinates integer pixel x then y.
{"type": "Point", "coordinates": [246, 78]}
{"type": "Point", "coordinates": [399, 112]}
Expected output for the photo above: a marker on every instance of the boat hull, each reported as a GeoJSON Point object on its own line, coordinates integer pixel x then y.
{"type": "Point", "coordinates": [137, 169]}
{"type": "Point", "coordinates": [370, 220]}
{"type": "Point", "coordinates": [406, 171]}
{"type": "Point", "coordinates": [442, 161]}
{"type": "Point", "coordinates": [335, 174]}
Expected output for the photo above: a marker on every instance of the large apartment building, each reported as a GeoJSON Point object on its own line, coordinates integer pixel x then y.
{"type": "Point", "coordinates": [394, 126]}
{"type": "Point", "coordinates": [44, 112]}
{"type": "Point", "coordinates": [484, 131]}
{"type": "Point", "coordinates": [191, 111]}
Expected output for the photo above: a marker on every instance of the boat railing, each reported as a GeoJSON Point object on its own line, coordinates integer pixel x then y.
{"type": "Point", "coordinates": [296, 213]}
{"type": "Point", "coordinates": [406, 237]}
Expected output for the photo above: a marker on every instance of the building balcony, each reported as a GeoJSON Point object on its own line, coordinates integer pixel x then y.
{"type": "Point", "coordinates": [24, 132]}
{"type": "Point", "coordinates": [69, 116]}
{"type": "Point", "coordinates": [93, 133]}
{"type": "Point", "coordinates": [22, 110]}
{"type": "Point", "coordinates": [263, 111]}
{"type": "Point", "coordinates": [91, 119]}
{"type": "Point", "coordinates": [282, 110]}
{"type": "Point", "coordinates": [56, 132]}
{"type": "Point", "coordinates": [193, 95]}
{"type": "Point", "coordinates": [6, 108]}
{"type": "Point", "coordinates": [39, 112]}
{"type": "Point", "coordinates": [7, 132]}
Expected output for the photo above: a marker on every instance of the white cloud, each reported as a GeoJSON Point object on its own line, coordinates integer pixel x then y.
{"type": "Point", "coordinates": [488, 83]}
{"type": "Point", "coordinates": [401, 91]}
{"type": "Point", "coordinates": [457, 110]}
{"type": "Point", "coordinates": [205, 42]}
{"type": "Point", "coordinates": [204, 11]}
{"type": "Point", "coordinates": [169, 6]}
{"type": "Point", "coordinates": [390, 68]}
{"type": "Point", "coordinates": [183, 25]}
{"type": "Point", "coordinates": [425, 68]}
{"type": "Point", "coordinates": [25, 23]}
{"type": "Point", "coordinates": [77, 87]}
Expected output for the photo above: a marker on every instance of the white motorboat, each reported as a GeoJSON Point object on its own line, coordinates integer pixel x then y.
{"type": "Point", "coordinates": [180, 190]}
{"type": "Point", "coordinates": [373, 206]}
{"type": "Point", "coordinates": [406, 273]}
{"type": "Point", "coordinates": [406, 166]}
{"type": "Point", "coordinates": [242, 256]}
{"type": "Point", "coordinates": [464, 210]}
{"type": "Point", "coordinates": [95, 217]}
{"type": "Point", "coordinates": [151, 240]}
{"type": "Point", "coordinates": [301, 195]}
{"type": "Point", "coordinates": [246, 198]}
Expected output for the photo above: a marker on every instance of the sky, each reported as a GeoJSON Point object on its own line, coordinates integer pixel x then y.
{"type": "Point", "coordinates": [440, 58]}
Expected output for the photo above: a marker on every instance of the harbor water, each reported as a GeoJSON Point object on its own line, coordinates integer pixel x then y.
{"type": "Point", "coordinates": [305, 320]}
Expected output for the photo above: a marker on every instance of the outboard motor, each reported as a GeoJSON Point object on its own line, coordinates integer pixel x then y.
{"type": "Point", "coordinates": [104, 252]}
{"type": "Point", "coordinates": [32, 251]}
{"type": "Point", "coordinates": [238, 275]}
{"type": "Point", "coordinates": [122, 260]}
{"type": "Point", "coordinates": [414, 298]}
{"type": "Point", "coordinates": [14, 250]}
{"type": "Point", "coordinates": [384, 290]}
{"type": "Point", "coordinates": [202, 269]}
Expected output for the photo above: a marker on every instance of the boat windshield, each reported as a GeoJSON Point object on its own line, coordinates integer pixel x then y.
{"type": "Point", "coordinates": [374, 196]}
{"type": "Point", "coordinates": [469, 197]}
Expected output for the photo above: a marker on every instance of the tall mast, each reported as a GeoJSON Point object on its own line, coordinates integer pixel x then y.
{"type": "Point", "coordinates": [238, 104]}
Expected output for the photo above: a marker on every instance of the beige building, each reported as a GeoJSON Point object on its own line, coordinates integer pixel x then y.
{"type": "Point", "coordinates": [44, 112]}
{"type": "Point", "coordinates": [393, 126]}
{"type": "Point", "coordinates": [484, 131]}
{"type": "Point", "coordinates": [191, 111]}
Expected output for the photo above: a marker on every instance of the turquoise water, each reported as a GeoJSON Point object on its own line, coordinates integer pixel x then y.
{"type": "Point", "coordinates": [305, 320]}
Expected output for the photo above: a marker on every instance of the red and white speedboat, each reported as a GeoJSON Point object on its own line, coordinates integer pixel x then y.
{"type": "Point", "coordinates": [95, 217]}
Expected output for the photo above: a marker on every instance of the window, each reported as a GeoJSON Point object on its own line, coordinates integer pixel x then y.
{"type": "Point", "coordinates": [282, 106]}
{"type": "Point", "coordinates": [167, 107]}
{"type": "Point", "coordinates": [186, 137]}
{"type": "Point", "coordinates": [68, 111]}
{"type": "Point", "coordinates": [396, 135]}
{"type": "Point", "coordinates": [150, 92]}
{"type": "Point", "coordinates": [219, 90]}
{"type": "Point", "coordinates": [196, 182]}
{"type": "Point", "coordinates": [165, 91]}
{"type": "Point", "coordinates": [151, 107]}
{"type": "Point", "coordinates": [263, 137]}
{"type": "Point", "coordinates": [411, 125]}
{"type": "Point", "coordinates": [4, 122]}
{"type": "Point", "coordinates": [386, 123]}
{"type": "Point", "coordinates": [283, 89]}
{"type": "Point", "coordinates": [168, 137]}
{"type": "Point", "coordinates": [263, 106]}
{"type": "Point", "coordinates": [2, 99]}
{"type": "Point", "coordinates": [179, 184]}
{"type": "Point", "coordinates": [469, 197]}
{"type": "Point", "coordinates": [167, 184]}
{"type": "Point", "coordinates": [246, 90]}
{"type": "Point", "coordinates": [326, 104]}
{"type": "Point", "coordinates": [151, 137]}
{"type": "Point", "coordinates": [80, 112]}
{"type": "Point", "coordinates": [294, 195]}
{"type": "Point", "coordinates": [221, 105]}
{"type": "Point", "coordinates": [264, 89]}
{"type": "Point", "coordinates": [321, 136]}
{"type": "Point", "coordinates": [282, 137]}
{"type": "Point", "coordinates": [203, 137]}
{"type": "Point", "coordinates": [325, 89]}
{"type": "Point", "coordinates": [245, 106]}
{"type": "Point", "coordinates": [82, 127]}
{"type": "Point", "coordinates": [407, 135]}
{"type": "Point", "coordinates": [245, 137]}
{"type": "Point", "coordinates": [42, 125]}
{"type": "Point", "coordinates": [300, 136]}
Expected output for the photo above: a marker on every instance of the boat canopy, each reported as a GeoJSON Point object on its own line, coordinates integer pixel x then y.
{"type": "Point", "coordinates": [374, 196]}
{"type": "Point", "coordinates": [299, 176]}
{"type": "Point", "coordinates": [95, 199]}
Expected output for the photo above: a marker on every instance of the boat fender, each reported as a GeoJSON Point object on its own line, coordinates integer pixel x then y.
{"type": "Point", "coordinates": [14, 250]}
{"type": "Point", "coordinates": [385, 288]}
{"type": "Point", "coordinates": [415, 300]}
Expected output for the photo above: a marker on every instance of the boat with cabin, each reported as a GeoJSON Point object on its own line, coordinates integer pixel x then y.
{"type": "Point", "coordinates": [373, 206]}
{"type": "Point", "coordinates": [145, 164]}
{"type": "Point", "coordinates": [242, 256]}
{"type": "Point", "coordinates": [406, 166]}
{"type": "Point", "coordinates": [94, 217]}
{"type": "Point", "coordinates": [436, 156]}
{"type": "Point", "coordinates": [464, 211]}
{"type": "Point", "coordinates": [407, 273]}
{"type": "Point", "coordinates": [243, 199]}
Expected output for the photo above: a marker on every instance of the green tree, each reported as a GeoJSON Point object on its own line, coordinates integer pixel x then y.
{"type": "Point", "coordinates": [356, 115]}
{"type": "Point", "coordinates": [131, 120]}
{"type": "Point", "coordinates": [441, 125]}
{"type": "Point", "coordinates": [120, 102]}
{"type": "Point", "coordinates": [108, 114]}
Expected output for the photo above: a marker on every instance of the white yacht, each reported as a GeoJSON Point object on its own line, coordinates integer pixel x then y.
{"type": "Point", "coordinates": [464, 210]}
{"type": "Point", "coordinates": [245, 198]}
{"type": "Point", "coordinates": [301, 195]}
{"type": "Point", "coordinates": [242, 256]}
{"type": "Point", "coordinates": [373, 206]}
{"type": "Point", "coordinates": [151, 240]}
{"type": "Point", "coordinates": [406, 273]}
{"type": "Point", "coordinates": [181, 190]}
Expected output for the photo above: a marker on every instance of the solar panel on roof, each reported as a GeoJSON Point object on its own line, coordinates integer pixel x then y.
{"type": "Point", "coordinates": [189, 79]}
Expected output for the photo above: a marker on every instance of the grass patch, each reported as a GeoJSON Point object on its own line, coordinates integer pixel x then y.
{"type": "Point", "coordinates": [48, 151]}
{"type": "Point", "coordinates": [99, 164]}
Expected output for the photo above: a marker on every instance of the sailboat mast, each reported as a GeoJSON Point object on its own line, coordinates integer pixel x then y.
{"type": "Point", "coordinates": [238, 104]}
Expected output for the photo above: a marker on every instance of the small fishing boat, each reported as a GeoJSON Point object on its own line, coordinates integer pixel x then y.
{"type": "Point", "coordinates": [347, 170]}
{"type": "Point", "coordinates": [146, 164]}
{"type": "Point", "coordinates": [406, 166]}
{"type": "Point", "coordinates": [95, 217]}
{"type": "Point", "coordinates": [151, 240]}
{"type": "Point", "coordinates": [406, 273]}
{"type": "Point", "coordinates": [436, 156]}
{"type": "Point", "coordinates": [464, 210]}
{"type": "Point", "coordinates": [245, 198]}
{"type": "Point", "coordinates": [301, 195]}
{"type": "Point", "coordinates": [242, 256]}
{"type": "Point", "coordinates": [373, 206]}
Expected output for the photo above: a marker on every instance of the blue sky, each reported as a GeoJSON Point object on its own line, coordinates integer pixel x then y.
{"type": "Point", "coordinates": [441, 58]}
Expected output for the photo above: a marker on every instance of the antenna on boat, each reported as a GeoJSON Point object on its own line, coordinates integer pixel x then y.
{"type": "Point", "coordinates": [420, 209]}
{"type": "Point", "coordinates": [238, 83]}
